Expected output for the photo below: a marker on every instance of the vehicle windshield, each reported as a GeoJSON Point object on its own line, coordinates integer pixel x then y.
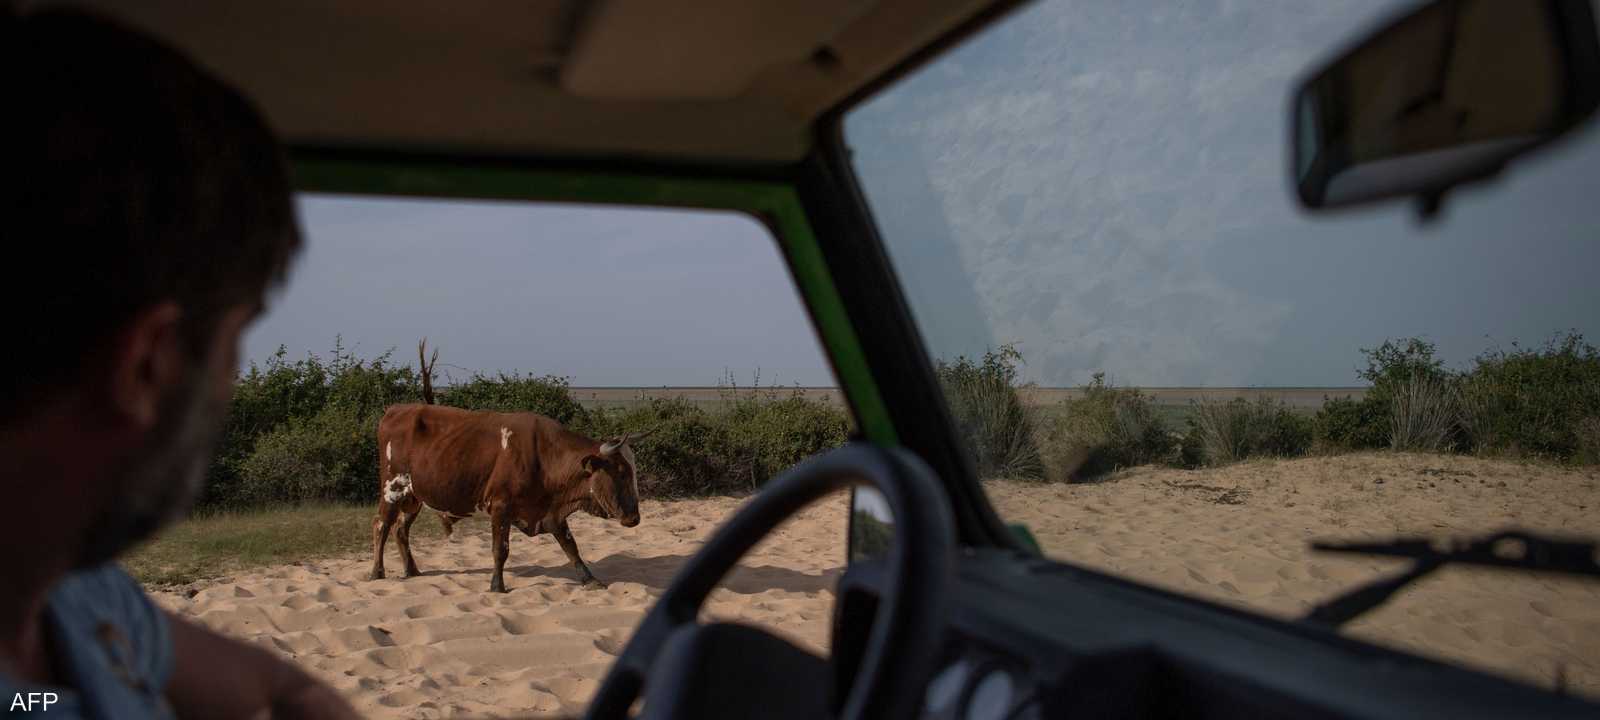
{"type": "Point", "coordinates": [1167, 371]}
{"type": "Point", "coordinates": [607, 320]}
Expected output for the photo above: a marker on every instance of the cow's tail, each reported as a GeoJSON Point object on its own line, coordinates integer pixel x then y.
{"type": "Point", "coordinates": [425, 366]}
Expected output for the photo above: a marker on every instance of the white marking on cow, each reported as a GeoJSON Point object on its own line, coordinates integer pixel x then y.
{"type": "Point", "coordinates": [505, 438]}
{"type": "Point", "coordinates": [389, 450]}
{"type": "Point", "coordinates": [627, 454]}
{"type": "Point", "coordinates": [398, 488]}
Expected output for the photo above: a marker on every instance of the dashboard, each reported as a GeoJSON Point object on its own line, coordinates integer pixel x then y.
{"type": "Point", "coordinates": [1031, 638]}
{"type": "Point", "coordinates": [977, 683]}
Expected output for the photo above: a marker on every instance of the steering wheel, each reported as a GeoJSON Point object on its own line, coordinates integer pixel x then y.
{"type": "Point", "coordinates": [905, 636]}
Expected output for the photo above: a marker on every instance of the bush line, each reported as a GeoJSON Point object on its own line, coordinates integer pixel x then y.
{"type": "Point", "coordinates": [299, 432]}
{"type": "Point", "coordinates": [304, 431]}
{"type": "Point", "coordinates": [1541, 403]}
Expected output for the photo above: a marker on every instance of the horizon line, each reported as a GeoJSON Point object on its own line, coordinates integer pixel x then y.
{"type": "Point", "coordinates": [1019, 387]}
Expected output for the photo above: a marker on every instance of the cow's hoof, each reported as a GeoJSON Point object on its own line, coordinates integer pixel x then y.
{"type": "Point", "coordinates": [413, 573]}
{"type": "Point", "coordinates": [593, 584]}
{"type": "Point", "coordinates": [497, 587]}
{"type": "Point", "coordinates": [375, 575]}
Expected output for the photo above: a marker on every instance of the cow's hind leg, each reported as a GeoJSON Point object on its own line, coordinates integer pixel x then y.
{"type": "Point", "coordinates": [387, 512]}
{"type": "Point", "coordinates": [402, 534]}
{"type": "Point", "coordinates": [500, 529]}
{"type": "Point", "coordinates": [569, 545]}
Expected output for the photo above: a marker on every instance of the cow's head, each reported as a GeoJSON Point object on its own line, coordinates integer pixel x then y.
{"type": "Point", "coordinates": [613, 477]}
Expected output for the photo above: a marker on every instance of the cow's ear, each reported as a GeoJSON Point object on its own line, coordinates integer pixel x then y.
{"type": "Point", "coordinates": [590, 462]}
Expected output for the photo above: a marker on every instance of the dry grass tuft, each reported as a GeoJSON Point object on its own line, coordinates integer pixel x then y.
{"type": "Point", "coordinates": [1424, 412]}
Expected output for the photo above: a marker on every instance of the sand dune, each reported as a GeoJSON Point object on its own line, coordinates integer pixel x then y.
{"type": "Point", "coordinates": [441, 646]}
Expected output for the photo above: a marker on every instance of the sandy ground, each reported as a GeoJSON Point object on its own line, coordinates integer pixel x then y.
{"type": "Point", "coordinates": [441, 646]}
{"type": "Point", "coordinates": [1239, 535]}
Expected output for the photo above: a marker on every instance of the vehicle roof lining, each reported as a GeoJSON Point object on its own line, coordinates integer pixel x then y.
{"type": "Point", "coordinates": [729, 82]}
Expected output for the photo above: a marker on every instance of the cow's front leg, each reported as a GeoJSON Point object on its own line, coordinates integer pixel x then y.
{"type": "Point", "coordinates": [569, 545]}
{"type": "Point", "coordinates": [500, 530]}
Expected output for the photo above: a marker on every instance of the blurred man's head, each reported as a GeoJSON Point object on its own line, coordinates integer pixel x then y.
{"type": "Point", "coordinates": [147, 210]}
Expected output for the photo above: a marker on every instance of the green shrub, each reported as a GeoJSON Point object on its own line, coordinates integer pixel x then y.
{"type": "Point", "coordinates": [268, 397]}
{"type": "Point", "coordinates": [330, 456]}
{"type": "Point", "coordinates": [1191, 447]}
{"type": "Point", "coordinates": [1588, 442]}
{"type": "Point", "coordinates": [1348, 424]}
{"type": "Point", "coordinates": [1541, 402]}
{"type": "Point", "coordinates": [1107, 429]}
{"type": "Point", "coordinates": [367, 388]}
{"type": "Point", "coordinates": [263, 398]}
{"type": "Point", "coordinates": [780, 433]}
{"type": "Point", "coordinates": [869, 536]}
{"type": "Point", "coordinates": [1537, 402]}
{"type": "Point", "coordinates": [688, 452]}
{"type": "Point", "coordinates": [549, 396]}
{"type": "Point", "coordinates": [1369, 423]}
{"type": "Point", "coordinates": [998, 430]}
{"type": "Point", "coordinates": [736, 448]}
{"type": "Point", "coordinates": [1224, 432]}
{"type": "Point", "coordinates": [1396, 361]}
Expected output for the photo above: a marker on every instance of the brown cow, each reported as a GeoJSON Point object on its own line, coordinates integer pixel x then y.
{"type": "Point", "coordinates": [523, 469]}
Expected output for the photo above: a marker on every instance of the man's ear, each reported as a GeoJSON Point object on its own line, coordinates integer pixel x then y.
{"type": "Point", "coordinates": [147, 358]}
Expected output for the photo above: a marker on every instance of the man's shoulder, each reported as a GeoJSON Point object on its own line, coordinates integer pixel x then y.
{"type": "Point", "coordinates": [107, 605]}
{"type": "Point", "coordinates": [107, 582]}
{"type": "Point", "coordinates": [106, 592]}
{"type": "Point", "coordinates": [113, 649]}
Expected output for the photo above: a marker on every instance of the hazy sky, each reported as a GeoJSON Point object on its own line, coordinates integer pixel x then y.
{"type": "Point", "coordinates": [604, 296]}
{"type": "Point", "coordinates": [1103, 183]}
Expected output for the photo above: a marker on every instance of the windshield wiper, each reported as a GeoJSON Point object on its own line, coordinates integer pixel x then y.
{"type": "Point", "coordinates": [1508, 549]}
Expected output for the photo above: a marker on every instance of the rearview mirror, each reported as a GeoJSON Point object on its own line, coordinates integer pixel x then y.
{"type": "Point", "coordinates": [1444, 95]}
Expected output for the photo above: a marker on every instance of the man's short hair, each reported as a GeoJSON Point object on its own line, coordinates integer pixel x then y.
{"type": "Point", "coordinates": [133, 177]}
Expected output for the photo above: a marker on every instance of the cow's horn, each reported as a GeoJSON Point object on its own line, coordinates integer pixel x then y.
{"type": "Point", "coordinates": [639, 436]}
{"type": "Point", "coordinates": [610, 446]}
